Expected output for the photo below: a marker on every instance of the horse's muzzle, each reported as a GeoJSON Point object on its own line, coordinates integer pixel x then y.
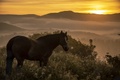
{"type": "Point", "coordinates": [66, 48]}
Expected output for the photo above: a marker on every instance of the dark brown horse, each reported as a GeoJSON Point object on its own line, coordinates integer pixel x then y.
{"type": "Point", "coordinates": [22, 48]}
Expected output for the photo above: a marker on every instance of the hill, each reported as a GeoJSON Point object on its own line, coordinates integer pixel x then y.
{"type": "Point", "coordinates": [64, 15]}
{"type": "Point", "coordinates": [9, 27]}
{"type": "Point", "coordinates": [83, 17]}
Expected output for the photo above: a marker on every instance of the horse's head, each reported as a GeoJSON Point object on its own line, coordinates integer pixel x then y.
{"type": "Point", "coordinates": [63, 40]}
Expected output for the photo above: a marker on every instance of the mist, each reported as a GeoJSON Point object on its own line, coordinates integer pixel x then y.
{"type": "Point", "coordinates": [104, 34]}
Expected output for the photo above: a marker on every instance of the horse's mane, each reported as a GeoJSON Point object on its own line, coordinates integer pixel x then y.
{"type": "Point", "coordinates": [48, 37]}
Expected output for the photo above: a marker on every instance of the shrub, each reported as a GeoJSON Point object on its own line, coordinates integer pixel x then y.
{"type": "Point", "coordinates": [79, 63]}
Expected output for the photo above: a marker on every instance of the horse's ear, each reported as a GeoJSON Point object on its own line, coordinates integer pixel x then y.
{"type": "Point", "coordinates": [66, 33]}
{"type": "Point", "coordinates": [61, 32]}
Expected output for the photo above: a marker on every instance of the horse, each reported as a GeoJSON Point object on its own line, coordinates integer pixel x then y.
{"type": "Point", "coordinates": [21, 48]}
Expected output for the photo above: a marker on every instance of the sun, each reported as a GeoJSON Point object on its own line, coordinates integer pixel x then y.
{"type": "Point", "coordinates": [97, 11]}
{"type": "Point", "coordinates": [97, 8]}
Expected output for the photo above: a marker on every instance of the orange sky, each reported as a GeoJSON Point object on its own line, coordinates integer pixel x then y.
{"type": "Point", "coordinates": [41, 7]}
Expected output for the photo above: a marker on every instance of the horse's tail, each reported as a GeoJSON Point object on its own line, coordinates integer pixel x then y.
{"type": "Point", "coordinates": [10, 56]}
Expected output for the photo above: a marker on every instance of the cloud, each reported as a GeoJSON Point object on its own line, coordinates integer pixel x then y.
{"type": "Point", "coordinates": [56, 1]}
{"type": "Point", "coordinates": [45, 6]}
{"type": "Point", "coordinates": [2, 0]}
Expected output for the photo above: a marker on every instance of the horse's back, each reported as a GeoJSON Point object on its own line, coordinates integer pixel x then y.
{"type": "Point", "coordinates": [19, 45]}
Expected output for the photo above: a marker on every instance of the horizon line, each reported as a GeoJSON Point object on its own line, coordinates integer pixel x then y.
{"type": "Point", "coordinates": [56, 12]}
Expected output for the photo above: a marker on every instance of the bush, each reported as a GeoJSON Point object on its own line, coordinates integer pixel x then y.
{"type": "Point", "coordinates": [79, 63]}
{"type": "Point", "coordinates": [63, 66]}
{"type": "Point", "coordinates": [2, 62]}
{"type": "Point", "coordinates": [114, 62]}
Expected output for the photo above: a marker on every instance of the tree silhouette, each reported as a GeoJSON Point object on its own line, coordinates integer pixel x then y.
{"type": "Point", "coordinates": [114, 61]}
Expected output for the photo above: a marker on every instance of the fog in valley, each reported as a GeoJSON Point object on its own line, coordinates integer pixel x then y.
{"type": "Point", "coordinates": [105, 34]}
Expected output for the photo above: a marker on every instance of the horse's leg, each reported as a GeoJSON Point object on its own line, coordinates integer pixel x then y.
{"type": "Point", "coordinates": [20, 63]}
{"type": "Point", "coordinates": [9, 61]}
{"type": "Point", "coordinates": [45, 61]}
{"type": "Point", "coordinates": [40, 62]}
{"type": "Point", "coordinates": [46, 57]}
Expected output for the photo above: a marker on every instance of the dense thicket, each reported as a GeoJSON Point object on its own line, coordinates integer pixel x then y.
{"type": "Point", "coordinates": [79, 63]}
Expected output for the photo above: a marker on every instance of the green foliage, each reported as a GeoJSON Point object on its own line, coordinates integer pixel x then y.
{"type": "Point", "coordinates": [79, 63]}
{"type": "Point", "coordinates": [63, 66]}
{"type": "Point", "coordinates": [2, 62]}
{"type": "Point", "coordinates": [114, 62]}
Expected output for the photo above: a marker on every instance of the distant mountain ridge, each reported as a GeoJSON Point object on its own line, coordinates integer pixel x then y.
{"type": "Point", "coordinates": [83, 17]}
{"type": "Point", "coordinates": [68, 15]}
{"type": "Point", "coordinates": [9, 27]}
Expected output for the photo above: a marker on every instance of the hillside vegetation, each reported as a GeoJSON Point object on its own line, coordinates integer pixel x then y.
{"type": "Point", "coordinates": [79, 63]}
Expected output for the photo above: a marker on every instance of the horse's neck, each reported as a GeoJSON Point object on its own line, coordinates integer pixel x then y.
{"type": "Point", "coordinates": [51, 42]}
{"type": "Point", "coordinates": [54, 43]}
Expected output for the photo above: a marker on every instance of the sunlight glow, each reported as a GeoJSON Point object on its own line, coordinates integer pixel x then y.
{"type": "Point", "coordinates": [41, 7]}
{"type": "Point", "coordinates": [98, 11]}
